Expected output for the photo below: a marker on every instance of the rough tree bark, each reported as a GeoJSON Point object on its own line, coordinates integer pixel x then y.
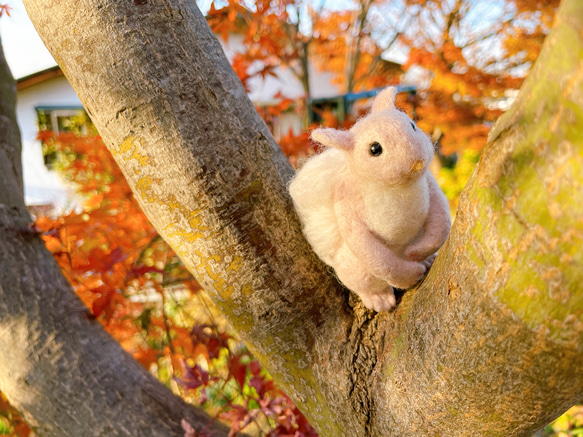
{"type": "Point", "coordinates": [57, 365]}
{"type": "Point", "coordinates": [492, 340]}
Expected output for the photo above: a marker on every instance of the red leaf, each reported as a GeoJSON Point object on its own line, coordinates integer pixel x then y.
{"type": "Point", "coordinates": [194, 377]}
{"type": "Point", "coordinates": [142, 270]}
{"type": "Point", "coordinates": [103, 301]}
{"type": "Point", "coordinates": [255, 367]}
{"type": "Point", "coordinates": [237, 370]}
{"type": "Point", "coordinates": [117, 255]}
{"type": "Point", "coordinates": [214, 347]}
{"type": "Point", "coordinates": [257, 383]}
{"type": "Point", "coordinates": [204, 334]}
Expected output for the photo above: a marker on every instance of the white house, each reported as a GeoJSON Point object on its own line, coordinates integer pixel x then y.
{"type": "Point", "coordinates": [47, 91]}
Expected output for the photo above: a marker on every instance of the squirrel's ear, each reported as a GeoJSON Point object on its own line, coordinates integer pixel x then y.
{"type": "Point", "coordinates": [339, 139]}
{"type": "Point", "coordinates": [385, 99]}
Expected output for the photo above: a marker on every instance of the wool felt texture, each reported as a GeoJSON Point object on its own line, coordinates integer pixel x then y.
{"type": "Point", "coordinates": [369, 206]}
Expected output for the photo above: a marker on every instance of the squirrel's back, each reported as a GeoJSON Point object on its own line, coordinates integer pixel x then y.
{"type": "Point", "coordinates": [312, 192]}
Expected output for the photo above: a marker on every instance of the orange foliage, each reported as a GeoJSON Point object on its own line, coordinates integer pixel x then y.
{"type": "Point", "coordinates": [336, 52]}
{"type": "Point", "coordinates": [525, 41]}
{"type": "Point", "coordinates": [270, 37]}
{"type": "Point", "coordinates": [473, 62]}
{"type": "Point", "coordinates": [273, 35]}
{"type": "Point", "coordinates": [110, 252]}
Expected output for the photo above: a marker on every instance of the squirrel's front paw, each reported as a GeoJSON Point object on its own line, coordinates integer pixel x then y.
{"type": "Point", "coordinates": [428, 262]}
{"type": "Point", "coordinates": [379, 302]}
{"type": "Point", "coordinates": [407, 275]}
{"type": "Point", "coordinates": [419, 254]}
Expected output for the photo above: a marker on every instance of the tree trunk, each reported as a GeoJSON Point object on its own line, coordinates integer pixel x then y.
{"type": "Point", "coordinates": [490, 343]}
{"type": "Point", "coordinates": [58, 366]}
{"type": "Point", "coordinates": [354, 42]}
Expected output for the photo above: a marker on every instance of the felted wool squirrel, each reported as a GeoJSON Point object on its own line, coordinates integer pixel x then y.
{"type": "Point", "coordinates": [369, 206]}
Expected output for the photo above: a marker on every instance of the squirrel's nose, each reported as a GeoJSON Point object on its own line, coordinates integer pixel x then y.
{"type": "Point", "coordinates": [417, 166]}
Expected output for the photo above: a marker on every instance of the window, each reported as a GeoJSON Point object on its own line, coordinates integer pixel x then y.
{"type": "Point", "coordinates": [61, 120]}
{"type": "Point", "coordinates": [340, 107]}
{"type": "Point", "coordinates": [319, 109]}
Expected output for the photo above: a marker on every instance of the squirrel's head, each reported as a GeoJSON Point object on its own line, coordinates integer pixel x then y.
{"type": "Point", "coordinates": [386, 145]}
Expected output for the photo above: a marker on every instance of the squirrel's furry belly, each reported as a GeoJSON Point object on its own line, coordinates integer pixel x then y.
{"type": "Point", "coordinates": [394, 217]}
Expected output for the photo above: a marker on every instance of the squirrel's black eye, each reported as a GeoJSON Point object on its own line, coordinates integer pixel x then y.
{"type": "Point", "coordinates": [413, 126]}
{"type": "Point", "coordinates": [376, 149]}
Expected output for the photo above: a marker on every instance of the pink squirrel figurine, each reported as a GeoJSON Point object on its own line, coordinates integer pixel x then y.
{"type": "Point", "coordinates": [369, 206]}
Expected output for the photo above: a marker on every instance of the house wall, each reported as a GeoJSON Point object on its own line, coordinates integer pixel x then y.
{"type": "Point", "coordinates": [41, 186]}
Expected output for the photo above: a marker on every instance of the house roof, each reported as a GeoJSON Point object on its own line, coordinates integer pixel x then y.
{"type": "Point", "coordinates": [389, 68]}
{"type": "Point", "coordinates": [38, 77]}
